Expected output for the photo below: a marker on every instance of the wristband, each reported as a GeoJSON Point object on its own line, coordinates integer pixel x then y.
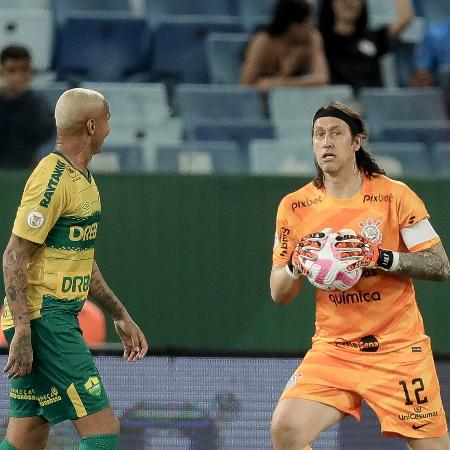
{"type": "Point", "coordinates": [292, 271]}
{"type": "Point", "coordinates": [388, 260]}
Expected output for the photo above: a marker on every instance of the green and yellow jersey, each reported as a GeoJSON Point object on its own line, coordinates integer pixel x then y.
{"type": "Point", "coordinates": [60, 209]}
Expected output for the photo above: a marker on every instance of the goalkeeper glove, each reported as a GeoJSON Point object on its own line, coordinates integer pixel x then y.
{"type": "Point", "coordinates": [306, 249]}
{"type": "Point", "coordinates": [364, 253]}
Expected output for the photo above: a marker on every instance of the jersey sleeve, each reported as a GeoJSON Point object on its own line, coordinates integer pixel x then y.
{"type": "Point", "coordinates": [284, 243]}
{"type": "Point", "coordinates": [411, 211]}
{"type": "Point", "coordinates": [41, 205]}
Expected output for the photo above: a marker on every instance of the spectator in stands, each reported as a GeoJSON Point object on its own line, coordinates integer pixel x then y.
{"type": "Point", "coordinates": [353, 50]}
{"type": "Point", "coordinates": [434, 53]}
{"type": "Point", "coordinates": [287, 52]}
{"type": "Point", "coordinates": [26, 120]}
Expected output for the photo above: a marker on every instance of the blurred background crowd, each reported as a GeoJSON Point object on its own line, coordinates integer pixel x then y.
{"type": "Point", "coordinates": [229, 86]}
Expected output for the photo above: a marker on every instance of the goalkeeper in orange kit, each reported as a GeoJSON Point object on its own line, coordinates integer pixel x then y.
{"type": "Point", "coordinates": [370, 343]}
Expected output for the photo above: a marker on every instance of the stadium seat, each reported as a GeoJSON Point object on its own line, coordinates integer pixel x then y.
{"type": "Point", "coordinates": [143, 103]}
{"type": "Point", "coordinates": [200, 157]}
{"type": "Point", "coordinates": [386, 106]}
{"type": "Point", "coordinates": [300, 129]}
{"type": "Point", "coordinates": [281, 157]}
{"type": "Point", "coordinates": [25, 4]}
{"type": "Point", "coordinates": [102, 47]}
{"type": "Point", "coordinates": [62, 9]}
{"type": "Point", "coordinates": [442, 158]}
{"type": "Point", "coordinates": [127, 131]}
{"type": "Point", "coordinates": [106, 161]}
{"type": "Point", "coordinates": [32, 29]}
{"type": "Point", "coordinates": [435, 9]}
{"type": "Point", "coordinates": [130, 157]}
{"type": "Point", "coordinates": [52, 92]}
{"type": "Point", "coordinates": [157, 10]}
{"type": "Point", "coordinates": [415, 160]}
{"type": "Point", "coordinates": [236, 130]}
{"type": "Point", "coordinates": [288, 105]}
{"type": "Point", "coordinates": [179, 52]}
{"type": "Point", "coordinates": [425, 131]}
{"type": "Point", "coordinates": [225, 53]}
{"type": "Point", "coordinates": [194, 102]}
{"type": "Point", "coordinates": [255, 12]}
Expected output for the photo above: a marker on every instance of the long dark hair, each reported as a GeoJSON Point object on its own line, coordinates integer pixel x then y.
{"type": "Point", "coordinates": [326, 19]}
{"type": "Point", "coordinates": [286, 12]}
{"type": "Point", "coordinates": [365, 162]}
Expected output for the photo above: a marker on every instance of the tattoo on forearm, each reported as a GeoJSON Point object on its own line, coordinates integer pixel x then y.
{"type": "Point", "coordinates": [104, 295]}
{"type": "Point", "coordinates": [431, 264]}
{"type": "Point", "coordinates": [15, 261]}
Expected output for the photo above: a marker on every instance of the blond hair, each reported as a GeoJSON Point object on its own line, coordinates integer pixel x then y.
{"type": "Point", "coordinates": [76, 106]}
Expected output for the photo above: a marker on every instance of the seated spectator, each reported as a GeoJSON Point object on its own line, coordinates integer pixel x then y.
{"type": "Point", "coordinates": [434, 52]}
{"type": "Point", "coordinates": [92, 323]}
{"type": "Point", "coordinates": [353, 50]}
{"type": "Point", "coordinates": [26, 120]}
{"type": "Point", "coordinates": [287, 52]}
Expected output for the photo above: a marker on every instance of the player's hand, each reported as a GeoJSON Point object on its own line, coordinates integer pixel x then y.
{"type": "Point", "coordinates": [358, 249]}
{"type": "Point", "coordinates": [20, 357]}
{"type": "Point", "coordinates": [133, 339]}
{"type": "Point", "coordinates": [307, 249]}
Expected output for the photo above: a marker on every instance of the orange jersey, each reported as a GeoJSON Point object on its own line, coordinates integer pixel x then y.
{"type": "Point", "coordinates": [380, 313]}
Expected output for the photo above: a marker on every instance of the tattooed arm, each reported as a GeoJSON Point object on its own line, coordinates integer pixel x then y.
{"type": "Point", "coordinates": [15, 261]}
{"type": "Point", "coordinates": [134, 342]}
{"type": "Point", "coordinates": [430, 264]}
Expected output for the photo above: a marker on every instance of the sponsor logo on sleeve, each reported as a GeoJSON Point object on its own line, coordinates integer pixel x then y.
{"type": "Point", "coordinates": [35, 219]}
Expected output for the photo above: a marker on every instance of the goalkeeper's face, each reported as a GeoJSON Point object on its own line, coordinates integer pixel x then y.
{"type": "Point", "coordinates": [333, 144]}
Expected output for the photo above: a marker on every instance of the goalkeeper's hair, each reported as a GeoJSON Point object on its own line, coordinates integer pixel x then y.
{"type": "Point", "coordinates": [364, 160]}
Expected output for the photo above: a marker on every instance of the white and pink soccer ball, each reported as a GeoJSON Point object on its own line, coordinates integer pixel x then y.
{"type": "Point", "coordinates": [328, 272]}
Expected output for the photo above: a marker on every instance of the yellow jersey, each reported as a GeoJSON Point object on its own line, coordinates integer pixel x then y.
{"type": "Point", "coordinates": [60, 209]}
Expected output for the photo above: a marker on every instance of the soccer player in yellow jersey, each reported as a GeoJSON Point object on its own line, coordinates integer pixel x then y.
{"type": "Point", "coordinates": [49, 270]}
{"type": "Point", "coordinates": [370, 342]}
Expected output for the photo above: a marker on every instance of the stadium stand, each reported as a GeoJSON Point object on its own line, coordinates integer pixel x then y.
{"type": "Point", "coordinates": [200, 157]}
{"type": "Point", "coordinates": [225, 53]}
{"type": "Point", "coordinates": [179, 51]}
{"type": "Point", "coordinates": [32, 29]}
{"type": "Point", "coordinates": [281, 157]}
{"type": "Point", "coordinates": [120, 49]}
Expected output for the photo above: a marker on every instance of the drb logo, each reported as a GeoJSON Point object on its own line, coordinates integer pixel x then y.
{"type": "Point", "coordinates": [72, 285]}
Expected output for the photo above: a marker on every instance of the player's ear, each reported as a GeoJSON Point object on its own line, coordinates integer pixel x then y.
{"type": "Point", "coordinates": [357, 142]}
{"type": "Point", "coordinates": [91, 126]}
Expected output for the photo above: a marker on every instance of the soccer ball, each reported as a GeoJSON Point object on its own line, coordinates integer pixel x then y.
{"type": "Point", "coordinates": [328, 272]}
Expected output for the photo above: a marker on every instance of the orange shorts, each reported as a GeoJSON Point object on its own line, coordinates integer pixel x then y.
{"type": "Point", "coordinates": [404, 395]}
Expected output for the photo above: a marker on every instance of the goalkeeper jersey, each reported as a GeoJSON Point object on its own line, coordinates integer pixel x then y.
{"type": "Point", "coordinates": [380, 313]}
{"type": "Point", "coordinates": [60, 209]}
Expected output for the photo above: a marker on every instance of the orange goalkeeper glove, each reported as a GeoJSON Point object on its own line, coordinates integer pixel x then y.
{"type": "Point", "coordinates": [364, 253]}
{"type": "Point", "coordinates": [306, 249]}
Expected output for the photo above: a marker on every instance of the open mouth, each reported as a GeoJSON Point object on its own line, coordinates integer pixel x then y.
{"type": "Point", "coordinates": [328, 156]}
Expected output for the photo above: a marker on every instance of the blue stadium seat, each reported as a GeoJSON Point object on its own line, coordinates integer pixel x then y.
{"type": "Point", "coordinates": [255, 12]}
{"type": "Point", "coordinates": [288, 105]}
{"type": "Point", "coordinates": [102, 47]}
{"type": "Point", "coordinates": [157, 10]}
{"type": "Point", "coordinates": [130, 157]}
{"type": "Point", "coordinates": [239, 131]}
{"type": "Point", "coordinates": [179, 53]}
{"type": "Point", "coordinates": [32, 29]}
{"type": "Point", "coordinates": [128, 131]}
{"type": "Point", "coordinates": [200, 157]}
{"type": "Point", "coordinates": [435, 9]}
{"type": "Point", "coordinates": [195, 101]}
{"type": "Point", "coordinates": [416, 161]}
{"type": "Point", "coordinates": [281, 157]}
{"type": "Point", "coordinates": [425, 131]}
{"type": "Point", "coordinates": [386, 106]}
{"type": "Point", "coordinates": [63, 9]}
{"type": "Point", "coordinates": [442, 158]}
{"type": "Point", "coordinates": [225, 54]}
{"type": "Point", "coordinates": [143, 103]}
